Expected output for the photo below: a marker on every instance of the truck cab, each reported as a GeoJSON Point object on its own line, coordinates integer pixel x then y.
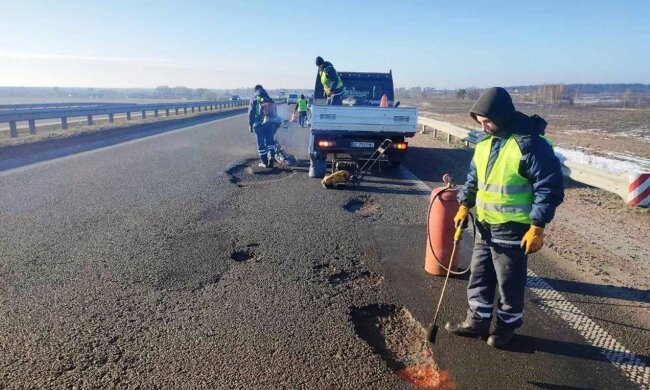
{"type": "Point", "coordinates": [353, 131]}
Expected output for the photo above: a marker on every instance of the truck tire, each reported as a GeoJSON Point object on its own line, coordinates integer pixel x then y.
{"type": "Point", "coordinates": [317, 168]}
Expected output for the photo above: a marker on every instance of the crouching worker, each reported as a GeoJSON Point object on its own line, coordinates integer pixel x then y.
{"type": "Point", "coordinates": [263, 120]}
{"type": "Point", "coordinates": [516, 183]}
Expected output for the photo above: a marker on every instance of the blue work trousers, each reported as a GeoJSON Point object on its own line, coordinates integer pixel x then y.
{"type": "Point", "coordinates": [496, 265]}
{"type": "Point", "coordinates": [265, 133]}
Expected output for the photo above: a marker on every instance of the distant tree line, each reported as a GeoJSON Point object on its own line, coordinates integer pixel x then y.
{"type": "Point", "coordinates": [592, 88]}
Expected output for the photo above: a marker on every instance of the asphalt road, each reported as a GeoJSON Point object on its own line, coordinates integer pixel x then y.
{"type": "Point", "coordinates": [173, 262]}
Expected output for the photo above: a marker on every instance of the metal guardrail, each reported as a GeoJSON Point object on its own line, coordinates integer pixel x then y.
{"type": "Point", "coordinates": [632, 188]}
{"type": "Point", "coordinates": [36, 106]}
{"type": "Point", "coordinates": [15, 113]}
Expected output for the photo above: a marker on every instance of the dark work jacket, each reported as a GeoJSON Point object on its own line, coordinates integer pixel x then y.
{"type": "Point", "coordinates": [253, 117]}
{"type": "Point", "coordinates": [539, 164]}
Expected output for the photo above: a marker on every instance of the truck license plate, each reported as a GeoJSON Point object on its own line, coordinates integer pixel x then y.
{"type": "Point", "coordinates": [363, 144]}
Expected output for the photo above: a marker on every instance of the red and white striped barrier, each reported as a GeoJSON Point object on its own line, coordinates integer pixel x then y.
{"type": "Point", "coordinates": [638, 192]}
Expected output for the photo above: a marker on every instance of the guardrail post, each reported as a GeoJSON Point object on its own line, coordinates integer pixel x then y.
{"type": "Point", "coordinates": [167, 111]}
{"type": "Point", "coordinates": [110, 118]}
{"type": "Point", "coordinates": [184, 110]}
{"type": "Point", "coordinates": [192, 109]}
{"type": "Point", "coordinates": [13, 130]}
{"type": "Point", "coordinates": [32, 127]}
{"type": "Point", "coordinates": [448, 138]}
{"type": "Point", "coordinates": [176, 111]}
{"type": "Point", "coordinates": [199, 108]}
{"type": "Point", "coordinates": [128, 116]}
{"type": "Point", "coordinates": [435, 133]}
{"type": "Point", "coordinates": [155, 113]}
{"type": "Point", "coordinates": [144, 114]}
{"type": "Point", "coordinates": [64, 123]}
{"type": "Point", "coordinates": [90, 120]}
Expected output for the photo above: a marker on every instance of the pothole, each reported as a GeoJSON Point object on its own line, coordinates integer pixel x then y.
{"type": "Point", "coordinates": [243, 254]}
{"type": "Point", "coordinates": [363, 206]}
{"type": "Point", "coordinates": [248, 173]}
{"type": "Point", "coordinates": [400, 340]}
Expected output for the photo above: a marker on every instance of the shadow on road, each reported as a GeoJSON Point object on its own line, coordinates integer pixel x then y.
{"type": "Point", "coordinates": [430, 164]}
{"type": "Point", "coordinates": [599, 290]}
{"type": "Point", "coordinates": [550, 386]}
{"type": "Point", "coordinates": [531, 344]}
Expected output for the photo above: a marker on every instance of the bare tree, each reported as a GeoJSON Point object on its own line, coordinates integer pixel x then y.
{"type": "Point", "coordinates": [626, 98]}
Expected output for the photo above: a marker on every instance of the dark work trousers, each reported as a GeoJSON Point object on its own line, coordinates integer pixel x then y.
{"type": "Point", "coordinates": [335, 100]}
{"type": "Point", "coordinates": [301, 118]}
{"type": "Point", "coordinates": [265, 134]}
{"type": "Point", "coordinates": [496, 265]}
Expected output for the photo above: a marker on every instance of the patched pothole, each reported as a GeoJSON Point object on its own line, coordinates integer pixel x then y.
{"type": "Point", "coordinates": [401, 341]}
{"type": "Point", "coordinates": [363, 206]}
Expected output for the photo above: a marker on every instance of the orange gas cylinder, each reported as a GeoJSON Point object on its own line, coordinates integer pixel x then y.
{"type": "Point", "coordinates": [441, 230]}
{"type": "Point", "coordinates": [383, 102]}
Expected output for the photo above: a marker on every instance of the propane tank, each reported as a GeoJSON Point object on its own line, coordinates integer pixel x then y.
{"type": "Point", "coordinates": [442, 208]}
{"type": "Point", "coordinates": [383, 102]}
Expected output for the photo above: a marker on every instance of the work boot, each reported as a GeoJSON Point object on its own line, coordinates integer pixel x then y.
{"type": "Point", "coordinates": [501, 337]}
{"type": "Point", "coordinates": [467, 330]}
{"type": "Point", "coordinates": [271, 159]}
{"type": "Point", "coordinates": [264, 163]}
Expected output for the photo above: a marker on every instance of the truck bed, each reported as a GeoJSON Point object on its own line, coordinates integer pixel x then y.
{"type": "Point", "coordinates": [401, 120]}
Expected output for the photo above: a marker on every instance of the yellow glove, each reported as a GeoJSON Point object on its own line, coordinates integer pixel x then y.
{"type": "Point", "coordinates": [533, 239]}
{"type": "Point", "coordinates": [461, 216]}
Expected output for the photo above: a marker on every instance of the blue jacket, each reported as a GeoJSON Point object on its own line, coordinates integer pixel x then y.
{"type": "Point", "coordinates": [539, 164]}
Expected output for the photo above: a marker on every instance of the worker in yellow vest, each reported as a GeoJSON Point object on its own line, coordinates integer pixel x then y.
{"type": "Point", "coordinates": [332, 83]}
{"type": "Point", "coordinates": [516, 183]}
{"type": "Point", "coordinates": [301, 108]}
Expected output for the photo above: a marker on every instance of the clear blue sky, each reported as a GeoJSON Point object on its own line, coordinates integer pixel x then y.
{"type": "Point", "coordinates": [228, 44]}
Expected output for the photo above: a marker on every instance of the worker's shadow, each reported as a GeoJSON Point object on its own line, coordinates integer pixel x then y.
{"type": "Point", "coordinates": [522, 343]}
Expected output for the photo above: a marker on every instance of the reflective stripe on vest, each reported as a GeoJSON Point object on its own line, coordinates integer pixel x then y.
{"type": "Point", "coordinates": [504, 196]}
{"type": "Point", "coordinates": [258, 109]}
{"type": "Point", "coordinates": [302, 105]}
{"type": "Point", "coordinates": [326, 81]}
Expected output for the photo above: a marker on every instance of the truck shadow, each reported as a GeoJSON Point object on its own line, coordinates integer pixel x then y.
{"type": "Point", "coordinates": [430, 164]}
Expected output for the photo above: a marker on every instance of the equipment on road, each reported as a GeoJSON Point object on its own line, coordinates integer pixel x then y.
{"type": "Point", "coordinates": [434, 328]}
{"type": "Point", "coordinates": [283, 157]}
{"type": "Point", "coordinates": [443, 237]}
{"type": "Point", "coordinates": [344, 176]}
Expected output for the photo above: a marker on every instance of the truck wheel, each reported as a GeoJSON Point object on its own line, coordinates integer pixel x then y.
{"type": "Point", "coordinates": [317, 168]}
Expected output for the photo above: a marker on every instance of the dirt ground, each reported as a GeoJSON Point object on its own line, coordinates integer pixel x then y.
{"type": "Point", "coordinates": [599, 130]}
{"type": "Point", "coordinates": [601, 239]}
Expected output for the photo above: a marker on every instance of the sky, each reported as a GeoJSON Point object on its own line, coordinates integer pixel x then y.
{"type": "Point", "coordinates": [231, 44]}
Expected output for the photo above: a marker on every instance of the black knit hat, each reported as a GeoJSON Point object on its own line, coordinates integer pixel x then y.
{"type": "Point", "coordinates": [257, 88]}
{"type": "Point", "coordinates": [319, 61]}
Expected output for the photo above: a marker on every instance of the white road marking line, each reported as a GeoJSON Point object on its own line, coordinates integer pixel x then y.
{"type": "Point", "coordinates": [551, 301]}
{"type": "Point", "coordinates": [554, 302]}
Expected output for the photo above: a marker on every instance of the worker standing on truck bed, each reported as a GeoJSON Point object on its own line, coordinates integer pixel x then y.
{"type": "Point", "coordinates": [263, 124]}
{"type": "Point", "coordinates": [332, 84]}
{"type": "Point", "coordinates": [516, 183]}
{"type": "Point", "coordinates": [301, 108]}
